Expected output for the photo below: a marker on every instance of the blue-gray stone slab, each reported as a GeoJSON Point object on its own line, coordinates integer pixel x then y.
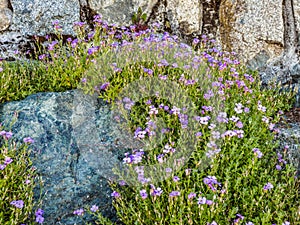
{"type": "Point", "coordinates": [74, 151]}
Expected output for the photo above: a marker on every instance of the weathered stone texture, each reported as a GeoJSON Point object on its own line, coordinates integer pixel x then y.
{"type": "Point", "coordinates": [296, 4]}
{"type": "Point", "coordinates": [252, 28]}
{"type": "Point", "coordinates": [120, 11]}
{"type": "Point", "coordinates": [3, 4]}
{"type": "Point", "coordinates": [5, 15]}
{"type": "Point", "coordinates": [36, 17]}
{"type": "Point", "coordinates": [75, 149]}
{"type": "Point", "coordinates": [5, 18]}
{"type": "Point", "coordinates": [184, 16]}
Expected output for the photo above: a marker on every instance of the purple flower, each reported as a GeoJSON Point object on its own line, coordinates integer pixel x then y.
{"type": "Point", "coordinates": [175, 110]}
{"type": "Point", "coordinates": [28, 140]}
{"type": "Point", "coordinates": [149, 71]}
{"type": "Point", "coordinates": [196, 41]}
{"type": "Point", "coordinates": [8, 134]}
{"type": "Point", "coordinates": [74, 43]}
{"type": "Point", "coordinates": [166, 108]}
{"type": "Point", "coordinates": [268, 186]}
{"type": "Point", "coordinates": [249, 223]}
{"type": "Point", "coordinates": [211, 181]}
{"type": "Point", "coordinates": [42, 56]}
{"type": "Point", "coordinates": [261, 108]}
{"type": "Point", "coordinates": [265, 119]}
{"type": "Point", "coordinates": [104, 86]}
{"type": "Point", "coordinates": [191, 195]}
{"type": "Point", "coordinates": [174, 193]}
{"type": "Point", "coordinates": [163, 77]}
{"type": "Point", "coordinates": [83, 80]}
{"type": "Point", "coordinates": [203, 120]}
{"type": "Point", "coordinates": [79, 24]}
{"type": "Point", "coordinates": [238, 108]}
{"type": "Point", "coordinates": [78, 212]}
{"type": "Point", "coordinates": [27, 182]}
{"type": "Point", "coordinates": [155, 191]}
{"type": "Point", "coordinates": [56, 22]}
{"type": "Point", "coordinates": [212, 223]}
{"type": "Point", "coordinates": [92, 50]}
{"type": "Point", "coordinates": [286, 223]}
{"type": "Point", "coordinates": [2, 167]}
{"type": "Point", "coordinates": [115, 194]}
{"type": "Point", "coordinates": [52, 45]}
{"type": "Point", "coordinates": [278, 167]}
{"type": "Point", "coordinates": [239, 124]}
{"type": "Point", "coordinates": [280, 159]}
{"type": "Point", "coordinates": [209, 202]}
{"type": "Point", "coordinates": [208, 95]}
{"type": "Point", "coordinates": [168, 170]}
{"type": "Point", "coordinates": [198, 134]}
{"type": "Point", "coordinates": [257, 152]}
{"type": "Point", "coordinates": [39, 219]}
{"type": "Point", "coordinates": [122, 183]}
{"type": "Point", "coordinates": [1, 69]}
{"type": "Point", "coordinates": [240, 216]}
{"type": "Point", "coordinates": [7, 160]}
{"type": "Point", "coordinates": [201, 200]}
{"type": "Point", "coordinates": [175, 179]}
{"type": "Point", "coordinates": [19, 204]}
{"type": "Point", "coordinates": [143, 194]}
{"type": "Point", "coordinates": [134, 158]}
{"type": "Point", "coordinates": [94, 208]}
{"type": "Point", "coordinates": [222, 117]}
{"type": "Point", "coordinates": [153, 110]}
{"type": "Point", "coordinates": [163, 62]}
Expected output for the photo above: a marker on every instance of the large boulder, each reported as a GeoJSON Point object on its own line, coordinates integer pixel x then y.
{"type": "Point", "coordinates": [77, 143]}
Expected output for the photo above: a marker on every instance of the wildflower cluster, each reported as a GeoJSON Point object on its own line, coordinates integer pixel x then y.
{"type": "Point", "coordinates": [242, 154]}
{"type": "Point", "coordinates": [17, 181]}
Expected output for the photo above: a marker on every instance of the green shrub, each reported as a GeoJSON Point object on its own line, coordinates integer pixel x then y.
{"type": "Point", "coordinates": [17, 181]}
{"type": "Point", "coordinates": [246, 182]}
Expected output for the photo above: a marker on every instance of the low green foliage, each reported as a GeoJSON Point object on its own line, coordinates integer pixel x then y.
{"type": "Point", "coordinates": [17, 181]}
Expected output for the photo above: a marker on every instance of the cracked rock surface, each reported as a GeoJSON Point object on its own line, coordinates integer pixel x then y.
{"type": "Point", "coordinates": [77, 144]}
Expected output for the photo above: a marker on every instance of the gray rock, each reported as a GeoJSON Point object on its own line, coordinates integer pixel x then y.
{"type": "Point", "coordinates": [295, 71]}
{"type": "Point", "coordinates": [120, 11]}
{"type": "Point", "coordinates": [290, 136]}
{"type": "Point", "coordinates": [296, 7]}
{"type": "Point", "coordinates": [250, 27]}
{"type": "Point", "coordinates": [36, 17]}
{"type": "Point", "coordinates": [75, 149]}
{"type": "Point", "coordinates": [5, 18]}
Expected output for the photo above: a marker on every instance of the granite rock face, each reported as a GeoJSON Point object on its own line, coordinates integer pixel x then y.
{"type": "Point", "coordinates": [5, 15]}
{"type": "Point", "coordinates": [36, 17]}
{"type": "Point", "coordinates": [77, 143]}
{"type": "Point", "coordinates": [264, 33]}
{"type": "Point", "coordinates": [252, 27]}
{"type": "Point", "coordinates": [290, 136]}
